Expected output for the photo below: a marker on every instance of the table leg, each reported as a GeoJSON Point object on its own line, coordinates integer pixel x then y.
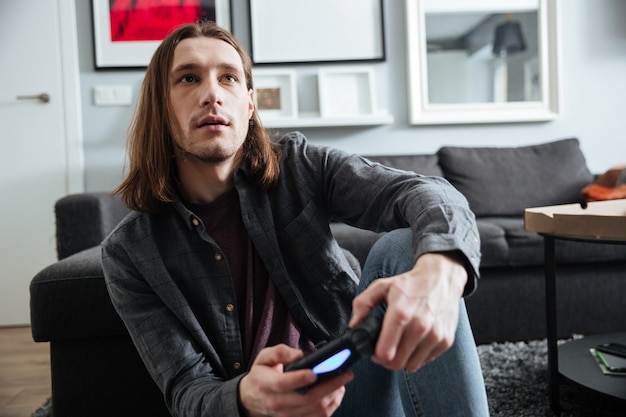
{"type": "Point", "coordinates": [551, 322]}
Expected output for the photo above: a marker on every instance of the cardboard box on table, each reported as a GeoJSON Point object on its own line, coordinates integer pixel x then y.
{"type": "Point", "coordinates": [599, 220]}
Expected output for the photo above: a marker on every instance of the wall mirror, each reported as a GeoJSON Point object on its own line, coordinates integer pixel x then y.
{"type": "Point", "coordinates": [484, 61]}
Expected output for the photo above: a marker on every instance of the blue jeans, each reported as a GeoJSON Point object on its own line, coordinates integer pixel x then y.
{"type": "Point", "coordinates": [452, 385]}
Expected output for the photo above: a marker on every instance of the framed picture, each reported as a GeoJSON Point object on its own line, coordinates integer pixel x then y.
{"type": "Point", "coordinates": [463, 82]}
{"type": "Point", "coordinates": [275, 94]}
{"type": "Point", "coordinates": [314, 31]}
{"type": "Point", "coordinates": [346, 92]}
{"type": "Point", "coordinates": [126, 34]}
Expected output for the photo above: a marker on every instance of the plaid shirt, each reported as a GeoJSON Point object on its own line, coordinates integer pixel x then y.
{"type": "Point", "coordinates": [171, 285]}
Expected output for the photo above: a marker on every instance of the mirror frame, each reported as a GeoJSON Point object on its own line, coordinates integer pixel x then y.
{"type": "Point", "coordinates": [421, 112]}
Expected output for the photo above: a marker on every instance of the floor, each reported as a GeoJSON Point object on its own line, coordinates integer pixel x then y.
{"type": "Point", "coordinates": [24, 372]}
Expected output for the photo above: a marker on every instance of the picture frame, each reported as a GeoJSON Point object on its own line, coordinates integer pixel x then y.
{"type": "Point", "coordinates": [346, 92]}
{"type": "Point", "coordinates": [544, 100]}
{"type": "Point", "coordinates": [275, 94]}
{"type": "Point", "coordinates": [314, 31]}
{"type": "Point", "coordinates": [138, 33]}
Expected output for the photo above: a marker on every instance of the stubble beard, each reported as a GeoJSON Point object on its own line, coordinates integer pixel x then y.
{"type": "Point", "coordinates": [210, 151]}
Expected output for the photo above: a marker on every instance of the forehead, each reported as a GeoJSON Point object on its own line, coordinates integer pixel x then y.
{"type": "Point", "coordinates": [203, 51]}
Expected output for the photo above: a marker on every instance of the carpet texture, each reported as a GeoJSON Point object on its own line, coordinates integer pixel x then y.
{"type": "Point", "coordinates": [516, 379]}
{"type": "Point", "coordinates": [45, 410]}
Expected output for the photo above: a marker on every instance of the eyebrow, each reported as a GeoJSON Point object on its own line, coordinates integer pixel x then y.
{"type": "Point", "coordinates": [184, 67]}
{"type": "Point", "coordinates": [194, 66]}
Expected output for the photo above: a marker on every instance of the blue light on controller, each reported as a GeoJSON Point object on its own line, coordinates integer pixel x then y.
{"type": "Point", "coordinates": [333, 362]}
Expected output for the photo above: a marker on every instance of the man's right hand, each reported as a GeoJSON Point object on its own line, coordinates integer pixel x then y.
{"type": "Point", "coordinates": [268, 391]}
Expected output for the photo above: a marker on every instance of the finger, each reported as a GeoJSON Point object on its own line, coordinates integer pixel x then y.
{"type": "Point", "coordinates": [278, 354]}
{"type": "Point", "coordinates": [412, 353]}
{"type": "Point", "coordinates": [402, 330]}
{"type": "Point", "coordinates": [365, 302]}
{"type": "Point", "coordinates": [324, 407]}
{"type": "Point", "coordinates": [430, 349]}
{"type": "Point", "coordinates": [295, 380]}
{"type": "Point", "coordinates": [285, 354]}
{"type": "Point", "coordinates": [275, 357]}
{"type": "Point", "coordinates": [440, 338]}
{"type": "Point", "coordinates": [323, 388]}
{"type": "Point", "coordinates": [388, 342]}
{"type": "Point", "coordinates": [328, 404]}
{"type": "Point", "coordinates": [325, 395]}
{"type": "Point", "coordinates": [421, 356]}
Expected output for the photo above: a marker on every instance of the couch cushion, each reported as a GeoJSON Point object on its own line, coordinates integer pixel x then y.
{"type": "Point", "coordinates": [426, 164]}
{"type": "Point", "coordinates": [505, 181]}
{"type": "Point", "coordinates": [493, 245]}
{"type": "Point", "coordinates": [523, 248]}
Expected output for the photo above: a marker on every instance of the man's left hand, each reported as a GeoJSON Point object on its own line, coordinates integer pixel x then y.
{"type": "Point", "coordinates": [422, 311]}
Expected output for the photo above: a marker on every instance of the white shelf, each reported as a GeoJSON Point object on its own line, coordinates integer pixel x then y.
{"type": "Point", "coordinates": [314, 120]}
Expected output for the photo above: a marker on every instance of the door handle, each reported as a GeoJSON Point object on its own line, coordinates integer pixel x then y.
{"type": "Point", "coordinates": [43, 97]}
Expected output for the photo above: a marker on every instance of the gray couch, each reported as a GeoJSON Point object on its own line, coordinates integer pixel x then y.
{"type": "Point", "coordinates": [96, 371]}
{"type": "Point", "coordinates": [499, 184]}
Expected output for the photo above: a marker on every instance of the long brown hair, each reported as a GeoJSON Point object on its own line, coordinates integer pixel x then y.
{"type": "Point", "coordinates": [151, 166]}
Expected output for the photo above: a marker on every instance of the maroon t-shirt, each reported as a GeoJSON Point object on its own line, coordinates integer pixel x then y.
{"type": "Point", "coordinates": [263, 316]}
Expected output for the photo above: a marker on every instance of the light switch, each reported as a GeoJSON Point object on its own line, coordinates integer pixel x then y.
{"type": "Point", "coordinates": [112, 95]}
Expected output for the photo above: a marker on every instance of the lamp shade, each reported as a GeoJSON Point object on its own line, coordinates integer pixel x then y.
{"type": "Point", "coordinates": [508, 39]}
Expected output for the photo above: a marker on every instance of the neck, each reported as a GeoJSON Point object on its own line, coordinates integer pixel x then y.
{"type": "Point", "coordinates": [203, 182]}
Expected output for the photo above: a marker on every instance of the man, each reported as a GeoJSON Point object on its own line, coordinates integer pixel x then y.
{"type": "Point", "coordinates": [227, 271]}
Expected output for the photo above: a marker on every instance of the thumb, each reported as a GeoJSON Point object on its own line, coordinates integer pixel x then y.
{"type": "Point", "coordinates": [279, 354]}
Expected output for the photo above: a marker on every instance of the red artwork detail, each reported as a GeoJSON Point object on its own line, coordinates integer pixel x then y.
{"type": "Point", "coordinates": [150, 20]}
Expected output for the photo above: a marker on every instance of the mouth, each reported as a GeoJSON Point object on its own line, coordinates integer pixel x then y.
{"type": "Point", "coordinates": [212, 121]}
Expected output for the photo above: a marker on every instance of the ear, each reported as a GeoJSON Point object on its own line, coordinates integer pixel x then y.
{"type": "Point", "coordinates": [250, 103]}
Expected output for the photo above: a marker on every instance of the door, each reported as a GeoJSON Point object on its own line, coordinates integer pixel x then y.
{"type": "Point", "coordinates": [34, 157]}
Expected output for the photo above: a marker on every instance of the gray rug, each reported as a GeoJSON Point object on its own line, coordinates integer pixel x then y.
{"type": "Point", "coordinates": [45, 410]}
{"type": "Point", "coordinates": [516, 379]}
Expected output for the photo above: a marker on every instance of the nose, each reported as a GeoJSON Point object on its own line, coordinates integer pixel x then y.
{"type": "Point", "coordinates": [211, 95]}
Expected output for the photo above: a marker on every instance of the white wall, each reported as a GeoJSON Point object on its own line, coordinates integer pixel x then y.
{"type": "Point", "coordinates": [593, 89]}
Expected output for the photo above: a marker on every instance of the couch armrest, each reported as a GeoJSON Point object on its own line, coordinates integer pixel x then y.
{"type": "Point", "coordinates": [69, 300]}
{"type": "Point", "coordinates": [84, 220]}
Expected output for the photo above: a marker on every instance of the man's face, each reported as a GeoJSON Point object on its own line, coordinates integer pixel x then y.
{"type": "Point", "coordinates": [210, 100]}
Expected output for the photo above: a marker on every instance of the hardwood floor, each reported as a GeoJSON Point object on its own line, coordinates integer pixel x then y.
{"type": "Point", "coordinates": [24, 372]}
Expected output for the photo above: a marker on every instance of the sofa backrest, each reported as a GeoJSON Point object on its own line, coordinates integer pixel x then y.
{"type": "Point", "coordinates": [84, 220]}
{"type": "Point", "coordinates": [505, 181]}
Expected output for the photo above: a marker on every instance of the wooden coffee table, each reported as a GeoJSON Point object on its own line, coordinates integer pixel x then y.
{"type": "Point", "coordinates": [577, 364]}
{"type": "Point", "coordinates": [596, 222]}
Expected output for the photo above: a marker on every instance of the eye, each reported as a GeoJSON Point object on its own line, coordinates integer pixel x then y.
{"type": "Point", "coordinates": [230, 78]}
{"type": "Point", "coordinates": [186, 79]}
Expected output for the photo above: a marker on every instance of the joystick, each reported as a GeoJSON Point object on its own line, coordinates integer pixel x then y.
{"type": "Point", "coordinates": [335, 357]}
